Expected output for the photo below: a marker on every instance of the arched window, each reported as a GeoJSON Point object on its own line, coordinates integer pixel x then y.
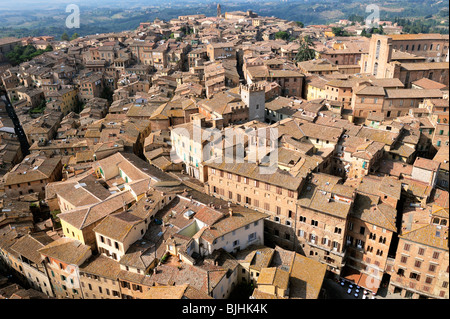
{"type": "Point", "coordinates": [377, 53]}
{"type": "Point", "coordinates": [375, 68]}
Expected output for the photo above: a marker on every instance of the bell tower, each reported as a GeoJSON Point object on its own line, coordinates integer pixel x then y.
{"type": "Point", "coordinates": [254, 97]}
{"type": "Point", "coordinates": [219, 11]}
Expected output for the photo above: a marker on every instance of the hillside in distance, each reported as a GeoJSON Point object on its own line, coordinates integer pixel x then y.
{"type": "Point", "coordinates": [34, 18]}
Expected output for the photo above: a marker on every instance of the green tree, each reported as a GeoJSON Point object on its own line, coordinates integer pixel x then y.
{"type": "Point", "coordinates": [364, 33]}
{"type": "Point", "coordinates": [24, 53]}
{"type": "Point", "coordinates": [282, 35]}
{"type": "Point", "coordinates": [306, 50]}
{"type": "Point", "coordinates": [74, 36]}
{"type": "Point", "coordinates": [40, 108]}
{"type": "Point", "coordinates": [300, 24]}
{"type": "Point", "coordinates": [339, 32]}
{"type": "Point", "coordinates": [65, 37]}
{"type": "Point", "coordinates": [356, 18]}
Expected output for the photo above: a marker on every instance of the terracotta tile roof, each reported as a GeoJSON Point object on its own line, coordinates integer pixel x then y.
{"type": "Point", "coordinates": [80, 190]}
{"type": "Point", "coordinates": [28, 246]}
{"type": "Point", "coordinates": [258, 294]}
{"type": "Point", "coordinates": [284, 73]}
{"type": "Point", "coordinates": [146, 204]}
{"type": "Point", "coordinates": [370, 90]}
{"type": "Point", "coordinates": [369, 209]}
{"type": "Point", "coordinates": [390, 186]}
{"type": "Point", "coordinates": [416, 188]}
{"type": "Point", "coordinates": [316, 195]}
{"type": "Point", "coordinates": [118, 226]}
{"type": "Point", "coordinates": [343, 190]}
{"type": "Point", "coordinates": [413, 93]}
{"type": "Point", "coordinates": [430, 235]}
{"type": "Point", "coordinates": [314, 130]}
{"type": "Point", "coordinates": [316, 81]}
{"type": "Point", "coordinates": [219, 102]}
{"type": "Point", "coordinates": [306, 278]}
{"type": "Point", "coordinates": [140, 279]}
{"type": "Point", "coordinates": [85, 216]}
{"type": "Point", "coordinates": [425, 83]}
{"type": "Point", "coordinates": [439, 198]}
{"type": "Point", "coordinates": [376, 135]}
{"type": "Point", "coordinates": [400, 55]}
{"type": "Point", "coordinates": [279, 178]}
{"type": "Point", "coordinates": [67, 250]}
{"type": "Point", "coordinates": [321, 203]}
{"type": "Point", "coordinates": [440, 211]}
{"type": "Point", "coordinates": [317, 65]}
{"type": "Point", "coordinates": [403, 150]}
{"type": "Point", "coordinates": [8, 237]}
{"type": "Point", "coordinates": [257, 256]}
{"type": "Point", "coordinates": [387, 82]}
{"type": "Point", "coordinates": [274, 276]}
{"type": "Point", "coordinates": [395, 168]}
{"type": "Point", "coordinates": [166, 292]}
{"type": "Point", "coordinates": [28, 173]}
{"type": "Point", "coordinates": [282, 258]}
{"type": "Point", "coordinates": [426, 164]}
{"type": "Point", "coordinates": [425, 66]}
{"type": "Point", "coordinates": [420, 36]}
{"type": "Point", "coordinates": [208, 215]}
{"type": "Point", "coordinates": [442, 156]}
{"type": "Point", "coordinates": [195, 276]}
{"type": "Point", "coordinates": [140, 255]}
{"type": "Point", "coordinates": [230, 223]}
{"type": "Point", "coordinates": [194, 293]}
{"type": "Point", "coordinates": [101, 266]}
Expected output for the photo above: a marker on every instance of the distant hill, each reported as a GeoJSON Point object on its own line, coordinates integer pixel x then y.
{"type": "Point", "coordinates": [20, 18]}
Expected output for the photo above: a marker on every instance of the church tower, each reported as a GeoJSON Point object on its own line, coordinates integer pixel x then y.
{"type": "Point", "coordinates": [254, 97]}
{"type": "Point", "coordinates": [219, 11]}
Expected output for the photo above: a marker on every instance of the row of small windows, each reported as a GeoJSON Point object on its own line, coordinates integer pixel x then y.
{"type": "Point", "coordinates": [424, 48]}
